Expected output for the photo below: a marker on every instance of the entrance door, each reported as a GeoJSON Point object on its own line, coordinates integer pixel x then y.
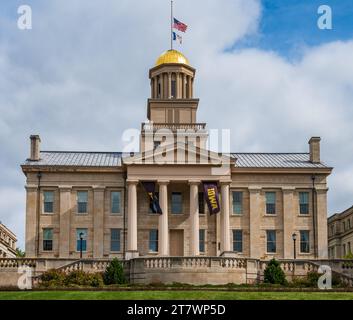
{"type": "Point", "coordinates": [176, 239]}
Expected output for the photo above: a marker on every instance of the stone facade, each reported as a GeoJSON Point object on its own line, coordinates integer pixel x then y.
{"type": "Point", "coordinates": [56, 181]}
{"type": "Point", "coordinates": [340, 234]}
{"type": "Point", "coordinates": [7, 242]}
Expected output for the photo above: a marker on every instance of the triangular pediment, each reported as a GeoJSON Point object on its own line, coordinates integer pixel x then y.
{"type": "Point", "coordinates": [179, 153]}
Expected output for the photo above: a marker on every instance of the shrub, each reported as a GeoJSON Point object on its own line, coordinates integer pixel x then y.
{"type": "Point", "coordinates": [349, 255]}
{"type": "Point", "coordinates": [274, 274]}
{"type": "Point", "coordinates": [114, 273]}
{"type": "Point", "coordinates": [53, 278]}
{"type": "Point", "coordinates": [57, 278]}
{"type": "Point", "coordinates": [81, 278]}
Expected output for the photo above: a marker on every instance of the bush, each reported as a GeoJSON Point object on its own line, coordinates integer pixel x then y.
{"type": "Point", "coordinates": [349, 255]}
{"type": "Point", "coordinates": [57, 278]}
{"type": "Point", "coordinates": [81, 278]}
{"type": "Point", "coordinates": [274, 274]}
{"type": "Point", "coordinates": [53, 278]}
{"type": "Point", "coordinates": [114, 273]}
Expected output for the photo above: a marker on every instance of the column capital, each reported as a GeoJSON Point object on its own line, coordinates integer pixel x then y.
{"type": "Point", "coordinates": [132, 181]}
{"type": "Point", "coordinates": [288, 189]}
{"type": "Point", "coordinates": [31, 187]}
{"type": "Point", "coordinates": [163, 182]}
{"type": "Point", "coordinates": [254, 188]}
{"type": "Point", "coordinates": [225, 182]}
{"type": "Point", "coordinates": [194, 181]}
{"type": "Point", "coordinates": [64, 188]}
{"type": "Point", "coordinates": [98, 188]}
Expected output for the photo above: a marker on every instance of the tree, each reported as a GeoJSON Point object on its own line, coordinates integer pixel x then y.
{"type": "Point", "coordinates": [114, 273]}
{"type": "Point", "coordinates": [274, 274]}
{"type": "Point", "coordinates": [19, 253]}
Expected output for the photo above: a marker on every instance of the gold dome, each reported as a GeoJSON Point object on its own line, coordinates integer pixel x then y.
{"type": "Point", "coordinates": [172, 56]}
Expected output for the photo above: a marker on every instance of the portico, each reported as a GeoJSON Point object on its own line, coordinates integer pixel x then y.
{"type": "Point", "coordinates": [170, 180]}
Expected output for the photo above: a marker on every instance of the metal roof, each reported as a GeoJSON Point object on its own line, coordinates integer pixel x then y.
{"type": "Point", "coordinates": [275, 160]}
{"type": "Point", "coordinates": [112, 159]}
{"type": "Point", "coordinates": [76, 158]}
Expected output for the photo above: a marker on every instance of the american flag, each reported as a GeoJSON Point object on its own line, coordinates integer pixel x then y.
{"type": "Point", "coordinates": [179, 25]}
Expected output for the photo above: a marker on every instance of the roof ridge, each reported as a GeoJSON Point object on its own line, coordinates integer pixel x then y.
{"type": "Point", "coordinates": [100, 152]}
{"type": "Point", "coordinates": [270, 152]}
{"type": "Point", "coordinates": [122, 152]}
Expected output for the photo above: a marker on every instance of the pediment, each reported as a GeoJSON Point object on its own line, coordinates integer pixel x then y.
{"type": "Point", "coordinates": [179, 154]}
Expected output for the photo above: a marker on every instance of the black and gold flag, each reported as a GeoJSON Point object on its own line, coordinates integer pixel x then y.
{"type": "Point", "coordinates": [211, 196]}
{"type": "Point", "coordinates": [150, 187]}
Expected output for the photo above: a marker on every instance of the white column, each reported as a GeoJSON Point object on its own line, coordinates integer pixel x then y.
{"type": "Point", "coordinates": [64, 221]}
{"type": "Point", "coordinates": [190, 87]}
{"type": "Point", "coordinates": [321, 223]}
{"type": "Point", "coordinates": [31, 221]}
{"type": "Point", "coordinates": [98, 221]}
{"type": "Point", "coordinates": [163, 231]}
{"type": "Point", "coordinates": [289, 213]}
{"type": "Point", "coordinates": [169, 85]}
{"type": "Point", "coordinates": [184, 86]}
{"type": "Point", "coordinates": [225, 228]}
{"type": "Point", "coordinates": [256, 245]}
{"type": "Point", "coordinates": [194, 217]}
{"type": "Point", "coordinates": [132, 220]}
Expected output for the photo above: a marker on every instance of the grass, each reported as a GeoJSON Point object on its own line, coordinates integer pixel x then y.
{"type": "Point", "coordinates": [172, 295]}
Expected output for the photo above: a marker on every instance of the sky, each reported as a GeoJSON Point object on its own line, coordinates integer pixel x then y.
{"type": "Point", "coordinates": [79, 78]}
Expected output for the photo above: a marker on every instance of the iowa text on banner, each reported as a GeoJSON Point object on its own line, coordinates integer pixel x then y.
{"type": "Point", "coordinates": [211, 196]}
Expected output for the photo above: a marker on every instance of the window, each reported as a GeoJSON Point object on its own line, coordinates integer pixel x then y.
{"type": "Point", "coordinates": [349, 247]}
{"type": "Point", "coordinates": [159, 90]}
{"type": "Point", "coordinates": [177, 203]}
{"type": "Point", "coordinates": [47, 239]}
{"type": "Point", "coordinates": [332, 230]}
{"type": "Point", "coordinates": [79, 233]}
{"type": "Point", "coordinates": [238, 240]}
{"type": "Point", "coordinates": [304, 202]}
{"type": "Point", "coordinates": [237, 202]}
{"type": "Point", "coordinates": [344, 226]}
{"type": "Point", "coordinates": [201, 203]}
{"type": "Point", "coordinates": [304, 242]}
{"type": "Point", "coordinates": [82, 199]}
{"type": "Point", "coordinates": [153, 241]}
{"type": "Point", "coordinates": [202, 235]}
{"type": "Point", "coordinates": [270, 202]}
{"type": "Point", "coordinates": [115, 202]}
{"type": "Point", "coordinates": [349, 223]}
{"type": "Point", "coordinates": [48, 201]}
{"type": "Point", "coordinates": [115, 240]}
{"type": "Point", "coordinates": [271, 241]}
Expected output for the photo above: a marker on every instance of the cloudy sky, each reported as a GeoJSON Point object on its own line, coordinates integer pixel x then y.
{"type": "Point", "coordinates": [265, 70]}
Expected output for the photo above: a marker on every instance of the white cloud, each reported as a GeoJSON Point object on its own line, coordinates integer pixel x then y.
{"type": "Point", "coordinates": [80, 78]}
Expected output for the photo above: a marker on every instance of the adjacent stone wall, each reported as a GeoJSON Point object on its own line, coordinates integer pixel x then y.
{"type": "Point", "coordinates": [191, 270]}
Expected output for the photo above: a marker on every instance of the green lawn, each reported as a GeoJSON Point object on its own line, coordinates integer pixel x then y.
{"type": "Point", "coordinates": [173, 295]}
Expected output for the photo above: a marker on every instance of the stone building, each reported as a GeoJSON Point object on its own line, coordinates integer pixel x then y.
{"type": "Point", "coordinates": [340, 234]}
{"type": "Point", "coordinates": [7, 242]}
{"type": "Point", "coordinates": [94, 201]}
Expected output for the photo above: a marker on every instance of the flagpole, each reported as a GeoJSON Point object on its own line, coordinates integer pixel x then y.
{"type": "Point", "coordinates": [171, 24]}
